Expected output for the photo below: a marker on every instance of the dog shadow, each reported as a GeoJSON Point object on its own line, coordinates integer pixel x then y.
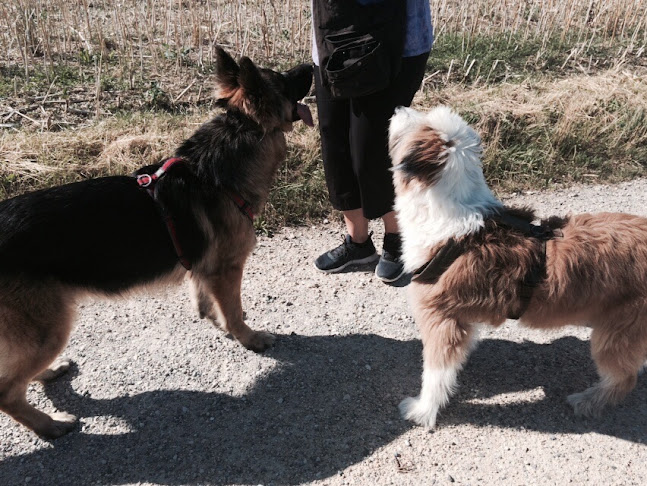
{"type": "Point", "coordinates": [545, 374]}
{"type": "Point", "coordinates": [330, 403]}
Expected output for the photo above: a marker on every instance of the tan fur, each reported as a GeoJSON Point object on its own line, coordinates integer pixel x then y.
{"type": "Point", "coordinates": [596, 276]}
{"type": "Point", "coordinates": [35, 324]}
{"type": "Point", "coordinates": [36, 317]}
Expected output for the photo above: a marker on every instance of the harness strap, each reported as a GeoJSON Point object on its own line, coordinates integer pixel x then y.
{"type": "Point", "coordinates": [537, 272]}
{"type": "Point", "coordinates": [533, 278]}
{"type": "Point", "coordinates": [431, 271]}
{"type": "Point", "coordinates": [148, 181]}
{"type": "Point", "coordinates": [170, 226]}
{"type": "Point", "coordinates": [241, 204]}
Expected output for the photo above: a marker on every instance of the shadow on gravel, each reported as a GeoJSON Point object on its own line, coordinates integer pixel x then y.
{"type": "Point", "coordinates": [330, 403]}
{"type": "Point", "coordinates": [403, 281]}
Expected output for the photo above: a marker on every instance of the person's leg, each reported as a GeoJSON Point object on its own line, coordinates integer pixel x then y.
{"type": "Point", "coordinates": [334, 126]}
{"type": "Point", "coordinates": [356, 225]}
{"type": "Point", "coordinates": [369, 127]}
{"type": "Point", "coordinates": [390, 223]}
{"type": "Point", "coordinates": [343, 190]}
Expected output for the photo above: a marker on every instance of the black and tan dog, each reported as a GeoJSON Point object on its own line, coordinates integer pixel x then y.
{"type": "Point", "coordinates": [190, 214]}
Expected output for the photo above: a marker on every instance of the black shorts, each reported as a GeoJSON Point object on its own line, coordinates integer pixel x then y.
{"type": "Point", "coordinates": [354, 141]}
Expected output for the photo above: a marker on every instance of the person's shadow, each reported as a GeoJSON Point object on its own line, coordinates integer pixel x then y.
{"type": "Point", "coordinates": [330, 403]}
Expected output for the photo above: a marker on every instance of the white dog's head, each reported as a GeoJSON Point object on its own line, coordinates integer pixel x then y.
{"type": "Point", "coordinates": [438, 178]}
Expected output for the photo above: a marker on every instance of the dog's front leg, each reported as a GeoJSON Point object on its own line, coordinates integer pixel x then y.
{"type": "Point", "coordinates": [225, 289]}
{"type": "Point", "coordinates": [446, 345]}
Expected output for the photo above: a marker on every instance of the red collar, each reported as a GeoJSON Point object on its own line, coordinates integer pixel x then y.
{"type": "Point", "coordinates": [147, 181]}
{"type": "Point", "coordinates": [243, 205]}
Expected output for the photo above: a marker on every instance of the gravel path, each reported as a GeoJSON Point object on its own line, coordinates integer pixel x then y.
{"type": "Point", "coordinates": [163, 398]}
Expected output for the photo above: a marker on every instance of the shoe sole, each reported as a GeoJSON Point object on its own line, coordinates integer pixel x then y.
{"type": "Point", "coordinates": [389, 280]}
{"type": "Point", "coordinates": [361, 261]}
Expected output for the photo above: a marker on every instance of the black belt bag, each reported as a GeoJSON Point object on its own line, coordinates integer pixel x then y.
{"type": "Point", "coordinates": [360, 47]}
{"type": "Point", "coordinates": [358, 65]}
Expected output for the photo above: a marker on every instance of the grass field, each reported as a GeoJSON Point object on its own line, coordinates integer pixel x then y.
{"type": "Point", "coordinates": [556, 88]}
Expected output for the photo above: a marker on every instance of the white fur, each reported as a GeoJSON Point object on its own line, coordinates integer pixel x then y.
{"type": "Point", "coordinates": [437, 387]}
{"type": "Point", "coordinates": [457, 203]}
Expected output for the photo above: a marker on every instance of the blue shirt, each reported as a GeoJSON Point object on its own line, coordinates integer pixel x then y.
{"type": "Point", "coordinates": [419, 34]}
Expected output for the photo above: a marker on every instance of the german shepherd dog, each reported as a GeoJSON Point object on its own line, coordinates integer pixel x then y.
{"type": "Point", "coordinates": [109, 235]}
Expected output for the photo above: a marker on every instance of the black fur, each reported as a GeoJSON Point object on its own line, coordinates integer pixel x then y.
{"type": "Point", "coordinates": [107, 234]}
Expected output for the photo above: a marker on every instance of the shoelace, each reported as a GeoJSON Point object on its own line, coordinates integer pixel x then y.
{"type": "Point", "coordinates": [341, 250]}
{"type": "Point", "coordinates": [344, 248]}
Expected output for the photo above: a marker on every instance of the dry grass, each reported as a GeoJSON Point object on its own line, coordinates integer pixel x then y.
{"type": "Point", "coordinates": [34, 159]}
{"type": "Point", "coordinates": [553, 132]}
{"type": "Point", "coordinates": [140, 33]}
{"type": "Point", "coordinates": [101, 87]}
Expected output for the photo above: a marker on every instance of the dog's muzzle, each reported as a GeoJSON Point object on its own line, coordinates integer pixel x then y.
{"type": "Point", "coordinates": [302, 112]}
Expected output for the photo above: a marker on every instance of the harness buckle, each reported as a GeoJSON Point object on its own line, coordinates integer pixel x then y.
{"type": "Point", "coordinates": [144, 180]}
{"type": "Point", "coordinates": [541, 232]}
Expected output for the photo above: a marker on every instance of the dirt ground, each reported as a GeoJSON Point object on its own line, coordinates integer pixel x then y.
{"type": "Point", "coordinates": [164, 398]}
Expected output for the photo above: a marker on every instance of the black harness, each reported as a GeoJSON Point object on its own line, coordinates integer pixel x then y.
{"type": "Point", "coordinates": [431, 271]}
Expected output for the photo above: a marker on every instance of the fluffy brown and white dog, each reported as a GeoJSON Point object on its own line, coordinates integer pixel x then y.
{"type": "Point", "coordinates": [189, 215]}
{"type": "Point", "coordinates": [586, 269]}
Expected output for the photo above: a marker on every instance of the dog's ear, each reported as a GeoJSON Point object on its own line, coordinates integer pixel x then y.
{"type": "Point", "coordinates": [227, 72]}
{"type": "Point", "coordinates": [250, 79]}
{"type": "Point", "coordinates": [425, 158]}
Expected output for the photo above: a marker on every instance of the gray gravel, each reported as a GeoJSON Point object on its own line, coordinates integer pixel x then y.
{"type": "Point", "coordinates": [164, 398]}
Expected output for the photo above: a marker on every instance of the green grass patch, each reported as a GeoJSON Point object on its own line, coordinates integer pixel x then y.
{"type": "Point", "coordinates": [505, 57]}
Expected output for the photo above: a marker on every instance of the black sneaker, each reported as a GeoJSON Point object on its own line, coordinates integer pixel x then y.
{"type": "Point", "coordinates": [348, 253]}
{"type": "Point", "coordinates": [390, 267]}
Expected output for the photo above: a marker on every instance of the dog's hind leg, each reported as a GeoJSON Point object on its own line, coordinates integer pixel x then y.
{"type": "Point", "coordinates": [225, 289]}
{"type": "Point", "coordinates": [618, 357]}
{"type": "Point", "coordinates": [27, 347]}
{"type": "Point", "coordinates": [446, 346]}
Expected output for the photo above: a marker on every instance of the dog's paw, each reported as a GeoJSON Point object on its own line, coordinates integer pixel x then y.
{"type": "Point", "coordinates": [643, 368]}
{"type": "Point", "coordinates": [413, 409]}
{"type": "Point", "coordinates": [61, 424]}
{"type": "Point", "coordinates": [586, 403]}
{"type": "Point", "coordinates": [58, 368]}
{"type": "Point", "coordinates": [259, 341]}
